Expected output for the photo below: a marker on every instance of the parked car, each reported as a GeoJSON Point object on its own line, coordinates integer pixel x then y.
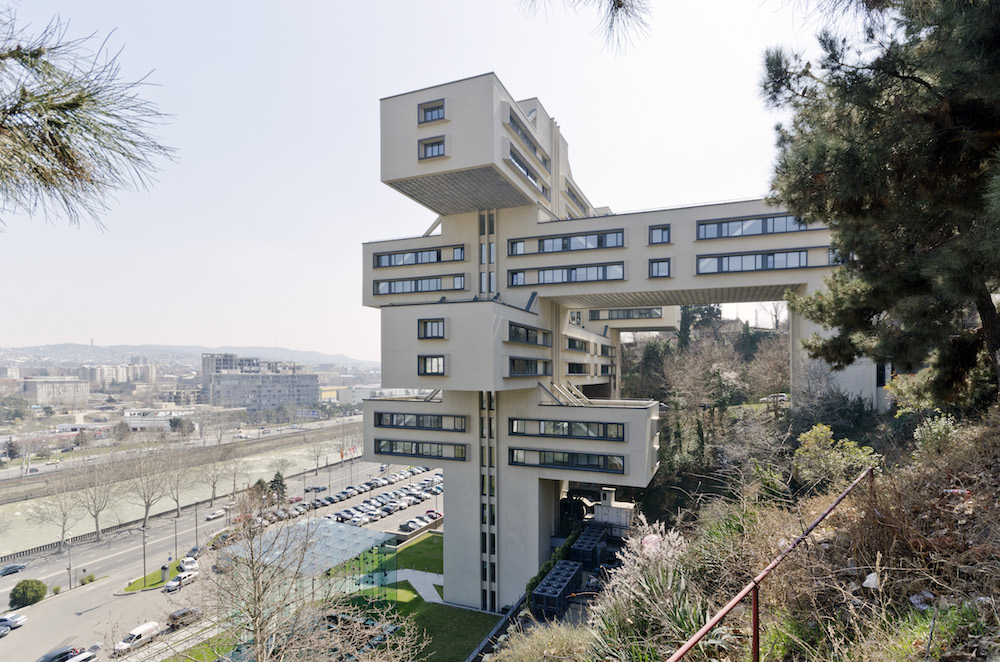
{"type": "Point", "coordinates": [140, 636]}
{"type": "Point", "coordinates": [188, 563]}
{"type": "Point", "coordinates": [196, 551]}
{"type": "Point", "coordinates": [433, 514]}
{"type": "Point", "coordinates": [89, 655]}
{"type": "Point", "coordinates": [183, 616]}
{"type": "Point", "coordinates": [60, 654]}
{"type": "Point", "coordinates": [294, 499]}
{"type": "Point", "coordinates": [775, 397]}
{"type": "Point", "coordinates": [215, 514]}
{"type": "Point", "coordinates": [11, 569]}
{"type": "Point", "coordinates": [13, 620]}
{"type": "Point", "coordinates": [180, 580]}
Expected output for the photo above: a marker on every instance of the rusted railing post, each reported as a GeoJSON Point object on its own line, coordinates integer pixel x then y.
{"type": "Point", "coordinates": [752, 586]}
{"type": "Point", "coordinates": [756, 624]}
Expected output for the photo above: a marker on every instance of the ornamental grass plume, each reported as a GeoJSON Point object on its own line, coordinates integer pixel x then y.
{"type": "Point", "coordinates": [648, 608]}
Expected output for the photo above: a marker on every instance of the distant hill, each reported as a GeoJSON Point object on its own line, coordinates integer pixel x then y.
{"type": "Point", "coordinates": [80, 354]}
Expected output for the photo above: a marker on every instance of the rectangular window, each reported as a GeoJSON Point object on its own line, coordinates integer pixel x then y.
{"type": "Point", "coordinates": [493, 282]}
{"type": "Point", "coordinates": [493, 542]}
{"type": "Point", "coordinates": [493, 516]}
{"type": "Point", "coordinates": [576, 317]}
{"type": "Point", "coordinates": [590, 273]}
{"type": "Point", "coordinates": [582, 242]}
{"type": "Point", "coordinates": [577, 345]}
{"type": "Point", "coordinates": [752, 262]}
{"type": "Point", "coordinates": [576, 461]}
{"type": "Point", "coordinates": [529, 335]}
{"type": "Point", "coordinates": [515, 248]}
{"type": "Point", "coordinates": [493, 485]}
{"type": "Point", "coordinates": [419, 449]}
{"type": "Point", "coordinates": [409, 285]}
{"type": "Point", "coordinates": [659, 234]}
{"type": "Point", "coordinates": [445, 423]}
{"type": "Point", "coordinates": [750, 227]}
{"type": "Point", "coordinates": [482, 253]}
{"type": "Point", "coordinates": [529, 367]}
{"type": "Point", "coordinates": [458, 283]}
{"type": "Point", "coordinates": [528, 141]}
{"type": "Point", "coordinates": [483, 282]}
{"type": "Point", "coordinates": [430, 365]}
{"type": "Point", "coordinates": [428, 256]}
{"type": "Point", "coordinates": [430, 328]}
{"type": "Point", "coordinates": [431, 111]}
{"type": "Point", "coordinates": [608, 350]}
{"type": "Point", "coordinates": [516, 278]}
{"type": "Point", "coordinates": [575, 197]}
{"type": "Point", "coordinates": [576, 369]}
{"type": "Point", "coordinates": [431, 148]}
{"type": "Point", "coordinates": [659, 268]}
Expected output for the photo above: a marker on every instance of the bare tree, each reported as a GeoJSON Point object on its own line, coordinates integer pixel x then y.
{"type": "Point", "coordinates": [62, 508]}
{"type": "Point", "coordinates": [317, 451]}
{"type": "Point", "coordinates": [274, 595]}
{"type": "Point", "coordinates": [280, 465]}
{"type": "Point", "coordinates": [235, 470]}
{"type": "Point", "coordinates": [768, 372]}
{"type": "Point", "coordinates": [145, 482]}
{"type": "Point", "coordinates": [212, 474]}
{"type": "Point", "coordinates": [178, 476]}
{"type": "Point", "coordinates": [98, 488]}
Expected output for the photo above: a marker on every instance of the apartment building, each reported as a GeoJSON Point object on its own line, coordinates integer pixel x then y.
{"type": "Point", "coordinates": [229, 380]}
{"type": "Point", "coordinates": [509, 310]}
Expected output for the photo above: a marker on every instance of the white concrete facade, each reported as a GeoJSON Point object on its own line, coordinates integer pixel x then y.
{"type": "Point", "coordinates": [509, 309]}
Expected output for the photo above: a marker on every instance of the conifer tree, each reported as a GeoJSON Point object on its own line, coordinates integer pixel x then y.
{"type": "Point", "coordinates": [894, 143]}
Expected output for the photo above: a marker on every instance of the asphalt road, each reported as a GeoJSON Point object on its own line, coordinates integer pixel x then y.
{"type": "Point", "coordinates": [92, 613]}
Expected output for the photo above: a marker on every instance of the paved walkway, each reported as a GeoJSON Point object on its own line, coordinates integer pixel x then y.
{"type": "Point", "coordinates": [423, 583]}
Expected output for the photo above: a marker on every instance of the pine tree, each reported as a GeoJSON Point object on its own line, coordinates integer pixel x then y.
{"type": "Point", "coordinates": [73, 131]}
{"type": "Point", "coordinates": [277, 485]}
{"type": "Point", "coordinates": [893, 143]}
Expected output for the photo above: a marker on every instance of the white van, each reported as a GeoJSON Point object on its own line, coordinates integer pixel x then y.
{"type": "Point", "coordinates": [140, 636]}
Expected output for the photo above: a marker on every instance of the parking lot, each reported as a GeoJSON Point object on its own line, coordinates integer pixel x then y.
{"type": "Point", "coordinates": [387, 502]}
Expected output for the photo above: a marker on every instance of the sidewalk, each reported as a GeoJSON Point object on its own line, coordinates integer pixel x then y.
{"type": "Point", "coordinates": [423, 583]}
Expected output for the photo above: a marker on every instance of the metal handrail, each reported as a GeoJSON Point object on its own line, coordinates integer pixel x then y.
{"type": "Point", "coordinates": [751, 588]}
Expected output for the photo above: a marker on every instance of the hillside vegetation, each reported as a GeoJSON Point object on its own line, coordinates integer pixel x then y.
{"type": "Point", "coordinates": [906, 568]}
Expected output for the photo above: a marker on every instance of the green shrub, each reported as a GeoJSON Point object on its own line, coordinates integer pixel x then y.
{"type": "Point", "coordinates": [87, 579]}
{"type": "Point", "coordinates": [56, 589]}
{"type": "Point", "coordinates": [27, 592]}
{"type": "Point", "coordinates": [820, 460]}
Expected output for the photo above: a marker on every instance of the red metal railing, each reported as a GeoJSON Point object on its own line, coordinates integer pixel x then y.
{"type": "Point", "coordinates": [751, 588]}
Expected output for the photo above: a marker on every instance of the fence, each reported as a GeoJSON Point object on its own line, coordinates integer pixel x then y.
{"type": "Point", "coordinates": [751, 588]}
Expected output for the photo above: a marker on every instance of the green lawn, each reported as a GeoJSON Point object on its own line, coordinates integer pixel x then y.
{"type": "Point", "coordinates": [453, 632]}
{"type": "Point", "coordinates": [207, 651]}
{"type": "Point", "coordinates": [425, 553]}
{"type": "Point", "coordinates": [153, 579]}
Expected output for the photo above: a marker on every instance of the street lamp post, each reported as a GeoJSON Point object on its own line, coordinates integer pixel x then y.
{"type": "Point", "coordinates": [175, 538]}
{"type": "Point", "coordinates": [195, 522]}
{"type": "Point", "coordinates": [144, 573]}
{"type": "Point", "coordinates": [69, 568]}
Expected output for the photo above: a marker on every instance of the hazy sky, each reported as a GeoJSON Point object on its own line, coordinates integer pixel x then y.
{"type": "Point", "coordinates": [253, 235]}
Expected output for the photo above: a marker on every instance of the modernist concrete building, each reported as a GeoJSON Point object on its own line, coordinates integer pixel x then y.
{"type": "Point", "coordinates": [229, 380]}
{"type": "Point", "coordinates": [509, 309]}
{"type": "Point", "coordinates": [55, 390]}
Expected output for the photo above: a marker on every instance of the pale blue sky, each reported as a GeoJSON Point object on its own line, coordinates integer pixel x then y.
{"type": "Point", "coordinates": [253, 235]}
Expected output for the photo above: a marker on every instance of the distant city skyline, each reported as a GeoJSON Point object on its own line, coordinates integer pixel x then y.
{"type": "Point", "coordinates": [252, 237]}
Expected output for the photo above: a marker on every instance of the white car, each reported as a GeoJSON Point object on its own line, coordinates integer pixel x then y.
{"type": "Point", "coordinates": [215, 515]}
{"type": "Point", "coordinates": [13, 620]}
{"type": "Point", "coordinates": [180, 580]}
{"type": "Point", "coordinates": [188, 563]}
